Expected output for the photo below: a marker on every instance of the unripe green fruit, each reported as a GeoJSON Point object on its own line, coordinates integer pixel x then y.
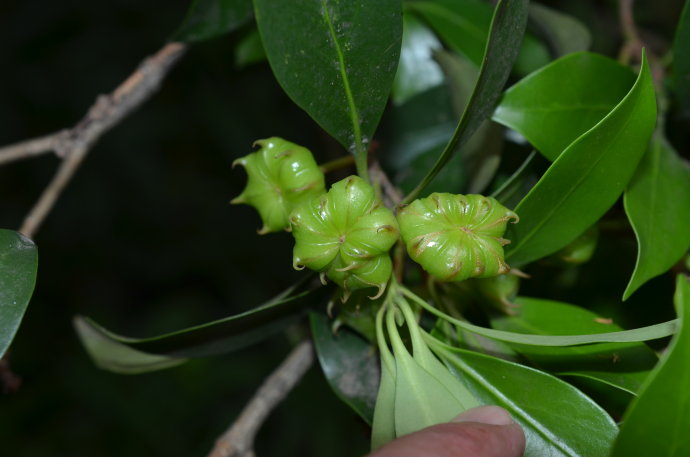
{"type": "Point", "coordinates": [281, 176]}
{"type": "Point", "coordinates": [346, 233]}
{"type": "Point", "coordinates": [455, 237]}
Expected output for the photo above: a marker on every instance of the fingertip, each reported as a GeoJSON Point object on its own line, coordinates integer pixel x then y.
{"type": "Point", "coordinates": [492, 415]}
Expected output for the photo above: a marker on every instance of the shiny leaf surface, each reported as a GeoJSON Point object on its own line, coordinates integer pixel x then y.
{"type": "Point", "coordinates": [586, 179]}
{"type": "Point", "coordinates": [505, 35]}
{"type": "Point", "coordinates": [556, 104]}
{"type": "Point", "coordinates": [558, 419]}
{"type": "Point", "coordinates": [657, 421]}
{"type": "Point", "coordinates": [623, 365]}
{"type": "Point", "coordinates": [336, 59]}
{"type": "Point", "coordinates": [350, 364]}
{"type": "Point", "coordinates": [657, 203]}
{"type": "Point", "coordinates": [18, 263]}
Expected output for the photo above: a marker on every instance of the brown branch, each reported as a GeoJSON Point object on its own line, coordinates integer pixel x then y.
{"type": "Point", "coordinates": [28, 148]}
{"type": "Point", "coordinates": [238, 440]}
{"type": "Point", "coordinates": [74, 144]}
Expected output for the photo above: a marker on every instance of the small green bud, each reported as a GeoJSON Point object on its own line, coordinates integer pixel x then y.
{"type": "Point", "coordinates": [346, 233]}
{"type": "Point", "coordinates": [281, 176]}
{"type": "Point", "coordinates": [455, 237]}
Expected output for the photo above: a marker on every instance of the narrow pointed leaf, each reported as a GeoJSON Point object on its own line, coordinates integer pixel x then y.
{"type": "Point", "coordinates": [208, 19]}
{"type": "Point", "coordinates": [558, 419]}
{"type": "Point", "coordinates": [505, 35]}
{"type": "Point", "coordinates": [18, 263]}
{"type": "Point", "coordinates": [586, 179]}
{"type": "Point", "coordinates": [216, 337]}
{"type": "Point", "coordinates": [335, 59]}
{"type": "Point", "coordinates": [518, 184]}
{"type": "Point", "coordinates": [555, 105]}
{"type": "Point", "coordinates": [349, 363]}
{"type": "Point", "coordinates": [657, 203]}
{"type": "Point", "coordinates": [112, 355]}
{"type": "Point", "coordinates": [651, 332]}
{"type": "Point", "coordinates": [658, 421]}
{"type": "Point", "coordinates": [622, 365]}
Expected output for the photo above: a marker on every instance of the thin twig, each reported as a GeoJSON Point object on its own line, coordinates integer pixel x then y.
{"type": "Point", "coordinates": [238, 440]}
{"type": "Point", "coordinates": [29, 148]}
{"type": "Point", "coordinates": [108, 110]}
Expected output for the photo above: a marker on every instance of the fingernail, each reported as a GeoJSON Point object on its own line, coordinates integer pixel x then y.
{"type": "Point", "coordinates": [493, 415]}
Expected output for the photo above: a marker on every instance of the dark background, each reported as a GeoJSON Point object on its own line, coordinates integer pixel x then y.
{"type": "Point", "coordinates": [143, 239]}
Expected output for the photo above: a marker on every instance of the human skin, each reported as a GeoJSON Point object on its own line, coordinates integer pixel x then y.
{"type": "Point", "coordinates": [487, 431]}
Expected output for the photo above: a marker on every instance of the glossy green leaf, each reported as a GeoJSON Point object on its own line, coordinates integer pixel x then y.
{"type": "Point", "coordinates": [558, 419]}
{"type": "Point", "coordinates": [657, 203]}
{"type": "Point", "coordinates": [462, 24]}
{"type": "Point", "coordinates": [507, 28]}
{"type": "Point", "coordinates": [417, 70]}
{"type": "Point", "coordinates": [681, 61]}
{"type": "Point", "coordinates": [651, 332]}
{"type": "Point", "coordinates": [558, 103]}
{"type": "Point", "coordinates": [208, 19]}
{"type": "Point", "coordinates": [18, 263]}
{"type": "Point", "coordinates": [216, 337]}
{"type": "Point", "coordinates": [586, 179]}
{"type": "Point", "coordinates": [336, 60]}
{"type": "Point", "coordinates": [564, 33]}
{"type": "Point", "coordinates": [349, 363]}
{"type": "Point", "coordinates": [658, 421]}
{"type": "Point", "coordinates": [623, 365]}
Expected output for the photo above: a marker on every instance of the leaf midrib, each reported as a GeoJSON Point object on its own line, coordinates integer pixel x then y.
{"type": "Point", "coordinates": [354, 113]}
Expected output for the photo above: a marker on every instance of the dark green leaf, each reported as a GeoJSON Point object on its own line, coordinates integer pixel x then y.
{"type": "Point", "coordinates": [558, 419]}
{"type": "Point", "coordinates": [586, 179]}
{"type": "Point", "coordinates": [623, 365]}
{"type": "Point", "coordinates": [216, 337]}
{"type": "Point", "coordinates": [249, 50]}
{"type": "Point", "coordinates": [481, 155]}
{"type": "Point", "coordinates": [208, 19]}
{"type": "Point", "coordinates": [416, 132]}
{"type": "Point", "coordinates": [417, 71]}
{"type": "Point", "coordinates": [555, 105]}
{"type": "Point", "coordinates": [657, 203]}
{"type": "Point", "coordinates": [350, 364]}
{"type": "Point", "coordinates": [507, 29]}
{"type": "Point", "coordinates": [681, 61]}
{"type": "Point", "coordinates": [462, 24]}
{"type": "Point", "coordinates": [518, 184]}
{"type": "Point", "coordinates": [658, 421]}
{"type": "Point", "coordinates": [18, 263]}
{"type": "Point", "coordinates": [564, 33]}
{"type": "Point", "coordinates": [336, 60]}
